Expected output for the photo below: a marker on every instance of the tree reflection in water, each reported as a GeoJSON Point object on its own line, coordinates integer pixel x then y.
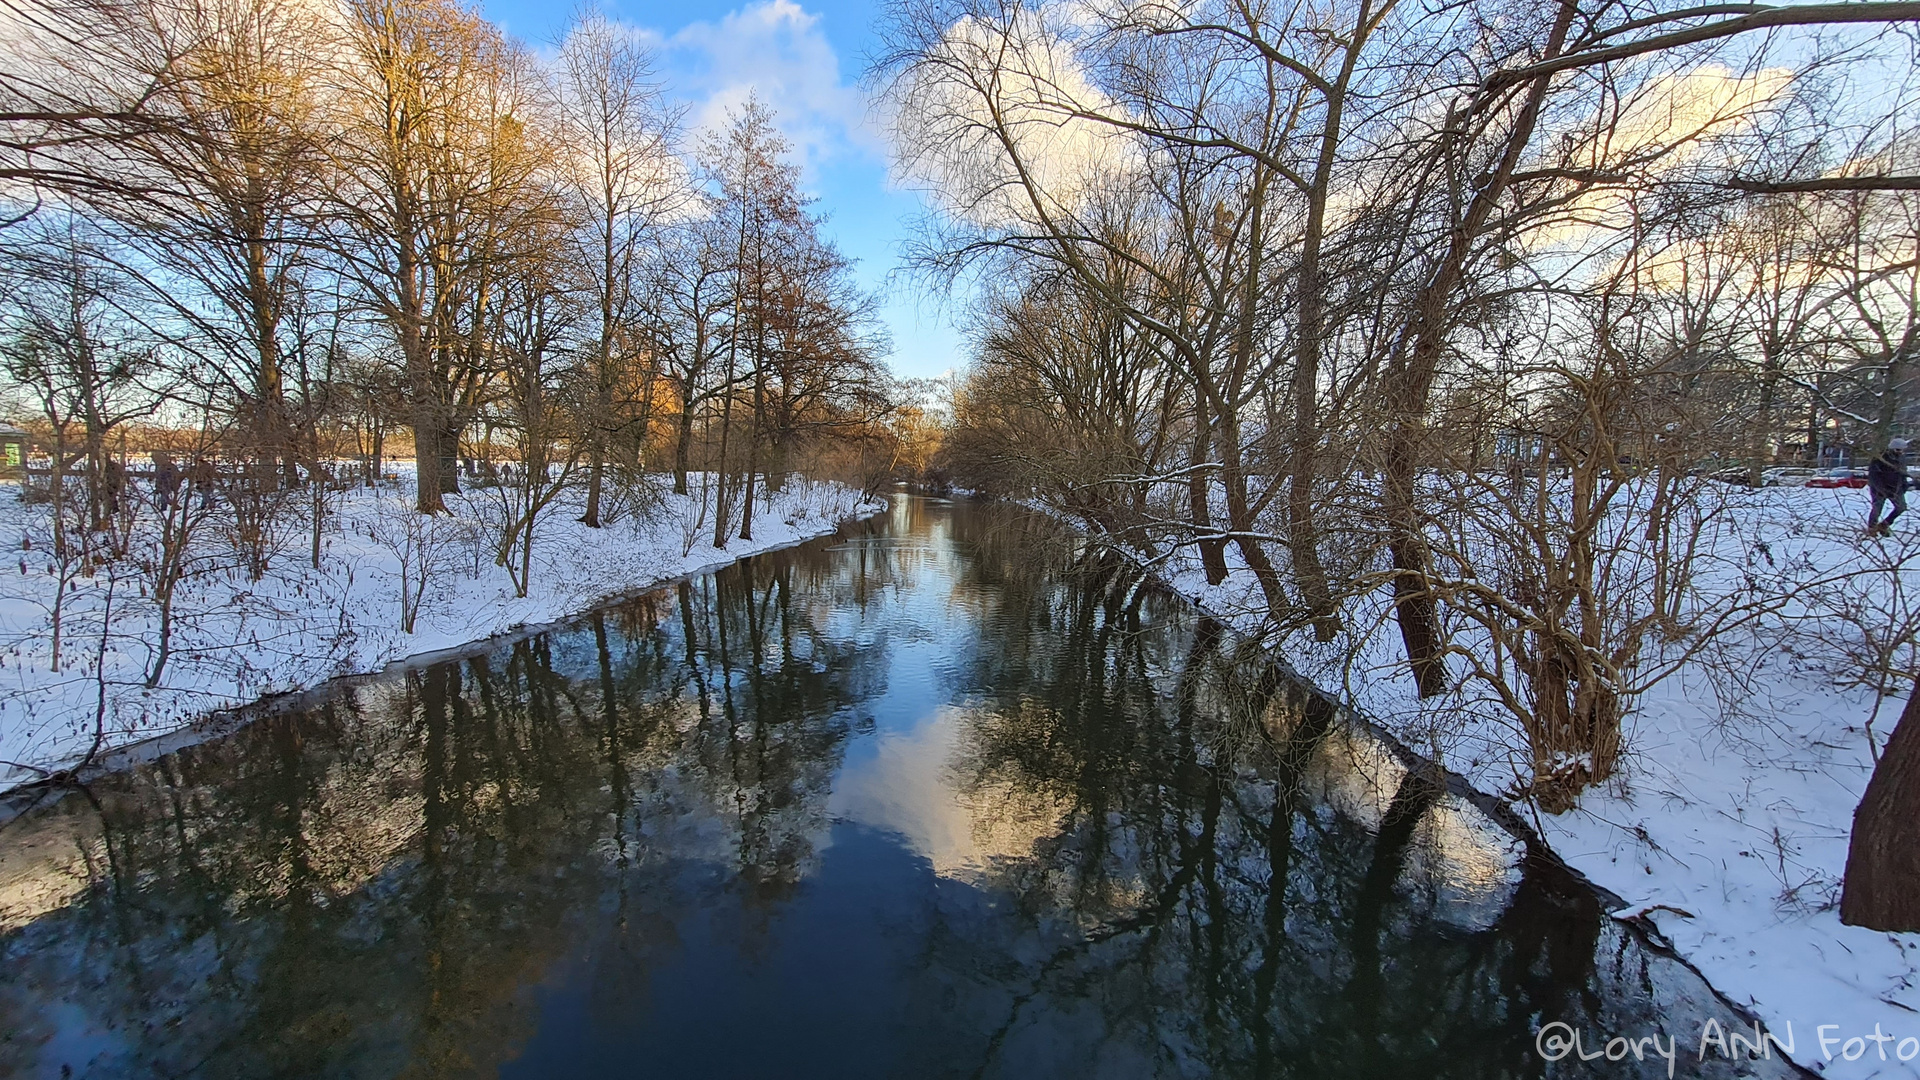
{"type": "Point", "coordinates": [950, 796]}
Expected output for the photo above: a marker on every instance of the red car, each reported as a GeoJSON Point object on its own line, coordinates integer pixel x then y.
{"type": "Point", "coordinates": [1839, 478]}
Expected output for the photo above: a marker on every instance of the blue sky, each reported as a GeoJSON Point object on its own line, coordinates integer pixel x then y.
{"type": "Point", "coordinates": [805, 58]}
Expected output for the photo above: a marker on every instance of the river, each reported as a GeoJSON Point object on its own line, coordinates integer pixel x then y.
{"type": "Point", "coordinates": [940, 796]}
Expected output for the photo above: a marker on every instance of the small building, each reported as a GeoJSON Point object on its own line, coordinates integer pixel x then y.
{"type": "Point", "coordinates": [13, 452]}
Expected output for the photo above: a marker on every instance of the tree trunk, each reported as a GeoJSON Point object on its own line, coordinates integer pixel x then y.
{"type": "Point", "coordinates": [683, 446]}
{"type": "Point", "coordinates": [526, 544]}
{"type": "Point", "coordinates": [1226, 429]}
{"type": "Point", "coordinates": [1882, 886]}
{"type": "Point", "coordinates": [450, 459]}
{"type": "Point", "coordinates": [746, 505]}
{"type": "Point", "coordinates": [163, 648]}
{"type": "Point", "coordinates": [270, 437]}
{"type": "Point", "coordinates": [99, 499]}
{"type": "Point", "coordinates": [1241, 523]}
{"type": "Point", "coordinates": [1763, 419]}
{"type": "Point", "coordinates": [1303, 535]}
{"type": "Point", "coordinates": [1412, 372]}
{"type": "Point", "coordinates": [1413, 605]}
{"type": "Point", "coordinates": [1897, 363]}
{"type": "Point", "coordinates": [426, 465]}
{"type": "Point", "coordinates": [596, 467]}
{"type": "Point", "coordinates": [1813, 422]}
{"type": "Point", "coordinates": [57, 494]}
{"type": "Point", "coordinates": [1213, 552]}
{"type": "Point", "coordinates": [319, 517]}
{"type": "Point", "coordinates": [774, 470]}
{"type": "Point", "coordinates": [753, 449]}
{"type": "Point", "coordinates": [720, 520]}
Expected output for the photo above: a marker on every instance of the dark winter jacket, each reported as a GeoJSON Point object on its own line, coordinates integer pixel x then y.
{"type": "Point", "coordinates": [166, 478]}
{"type": "Point", "coordinates": [1887, 474]}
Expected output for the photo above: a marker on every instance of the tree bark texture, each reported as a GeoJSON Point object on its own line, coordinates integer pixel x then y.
{"type": "Point", "coordinates": [1882, 887]}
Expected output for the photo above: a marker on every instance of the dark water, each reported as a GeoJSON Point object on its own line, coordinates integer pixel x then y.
{"type": "Point", "coordinates": [941, 797]}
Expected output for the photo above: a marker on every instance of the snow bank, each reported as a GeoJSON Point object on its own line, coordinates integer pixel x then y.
{"type": "Point", "coordinates": [1735, 796]}
{"type": "Point", "coordinates": [236, 639]}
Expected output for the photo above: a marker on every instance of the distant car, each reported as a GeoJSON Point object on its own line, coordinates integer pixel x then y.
{"type": "Point", "coordinates": [1779, 477]}
{"type": "Point", "coordinates": [1839, 478]}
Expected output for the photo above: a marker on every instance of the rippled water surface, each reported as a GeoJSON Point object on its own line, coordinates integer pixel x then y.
{"type": "Point", "coordinates": [939, 797]}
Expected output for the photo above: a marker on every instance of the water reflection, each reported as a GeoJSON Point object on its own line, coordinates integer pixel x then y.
{"type": "Point", "coordinates": [948, 796]}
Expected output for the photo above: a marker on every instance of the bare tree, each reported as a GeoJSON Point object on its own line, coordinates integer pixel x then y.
{"type": "Point", "coordinates": [689, 287]}
{"type": "Point", "coordinates": [435, 182]}
{"type": "Point", "coordinates": [91, 366]}
{"type": "Point", "coordinates": [626, 185]}
{"type": "Point", "coordinates": [756, 198]}
{"type": "Point", "coordinates": [532, 316]}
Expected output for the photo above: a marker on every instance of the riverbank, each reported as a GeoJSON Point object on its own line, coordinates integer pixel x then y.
{"type": "Point", "coordinates": [237, 640]}
{"type": "Point", "coordinates": [1726, 826]}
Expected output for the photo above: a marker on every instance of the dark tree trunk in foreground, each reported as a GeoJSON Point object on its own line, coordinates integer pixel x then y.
{"type": "Point", "coordinates": [1882, 889]}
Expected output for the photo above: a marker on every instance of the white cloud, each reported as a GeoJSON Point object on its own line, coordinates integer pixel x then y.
{"type": "Point", "coordinates": [778, 50]}
{"type": "Point", "coordinates": [1667, 122]}
{"type": "Point", "coordinates": [963, 825]}
{"type": "Point", "coordinates": [1003, 124]}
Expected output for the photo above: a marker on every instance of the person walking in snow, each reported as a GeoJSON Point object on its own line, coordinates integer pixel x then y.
{"type": "Point", "coordinates": [166, 480]}
{"type": "Point", "coordinates": [202, 477]}
{"type": "Point", "coordinates": [1887, 479]}
{"type": "Point", "coordinates": [114, 482]}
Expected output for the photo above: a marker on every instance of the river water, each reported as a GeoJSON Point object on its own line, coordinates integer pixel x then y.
{"type": "Point", "coordinates": [941, 796]}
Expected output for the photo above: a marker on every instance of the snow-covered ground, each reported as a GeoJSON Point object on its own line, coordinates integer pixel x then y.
{"type": "Point", "coordinates": [237, 639]}
{"type": "Point", "coordinates": [1736, 794]}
